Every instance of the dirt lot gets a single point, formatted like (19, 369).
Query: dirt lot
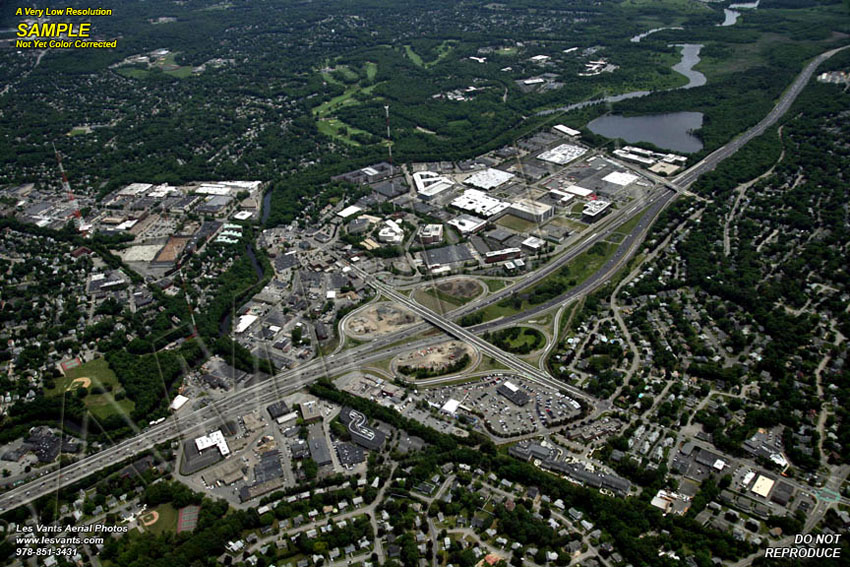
(461, 288)
(435, 357)
(378, 320)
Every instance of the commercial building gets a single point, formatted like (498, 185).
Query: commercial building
(277, 409)
(318, 445)
(534, 244)
(488, 178)
(566, 130)
(310, 412)
(580, 192)
(532, 211)
(559, 198)
(503, 255)
(450, 407)
(446, 255)
(762, 486)
(391, 233)
(563, 154)
(245, 321)
(348, 211)
(430, 234)
(361, 433)
(513, 393)
(479, 203)
(430, 184)
(595, 210)
(178, 402)
(213, 440)
(621, 178)
(350, 454)
(467, 224)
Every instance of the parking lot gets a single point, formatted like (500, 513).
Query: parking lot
(482, 403)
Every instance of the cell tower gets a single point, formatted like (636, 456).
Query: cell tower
(78, 217)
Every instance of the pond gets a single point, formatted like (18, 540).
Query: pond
(672, 131)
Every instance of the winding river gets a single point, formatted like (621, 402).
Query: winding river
(690, 57)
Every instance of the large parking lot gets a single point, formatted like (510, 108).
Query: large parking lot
(483, 403)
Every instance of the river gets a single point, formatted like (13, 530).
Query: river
(690, 57)
(731, 17)
(224, 324)
(637, 38)
(267, 206)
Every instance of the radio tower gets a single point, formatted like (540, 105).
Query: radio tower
(389, 139)
(390, 150)
(78, 217)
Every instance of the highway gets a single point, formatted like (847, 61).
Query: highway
(688, 177)
(257, 395)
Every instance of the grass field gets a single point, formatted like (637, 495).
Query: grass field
(487, 364)
(580, 268)
(516, 224)
(79, 132)
(443, 51)
(371, 70)
(527, 337)
(167, 520)
(100, 405)
(495, 285)
(332, 127)
(436, 304)
(413, 56)
(575, 226)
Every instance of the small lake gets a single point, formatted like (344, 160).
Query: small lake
(671, 131)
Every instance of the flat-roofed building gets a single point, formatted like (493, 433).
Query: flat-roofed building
(595, 210)
(310, 412)
(563, 154)
(479, 203)
(580, 192)
(430, 234)
(318, 445)
(467, 224)
(503, 255)
(361, 433)
(513, 392)
(532, 211)
(488, 178)
(213, 440)
(430, 184)
(566, 130)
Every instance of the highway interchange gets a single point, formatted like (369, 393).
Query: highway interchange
(265, 392)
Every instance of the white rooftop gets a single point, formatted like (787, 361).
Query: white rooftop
(348, 211)
(562, 154)
(488, 178)
(430, 183)
(566, 130)
(621, 178)
(467, 223)
(594, 208)
(245, 321)
(214, 439)
(480, 203)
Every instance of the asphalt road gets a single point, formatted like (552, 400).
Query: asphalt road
(288, 382)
